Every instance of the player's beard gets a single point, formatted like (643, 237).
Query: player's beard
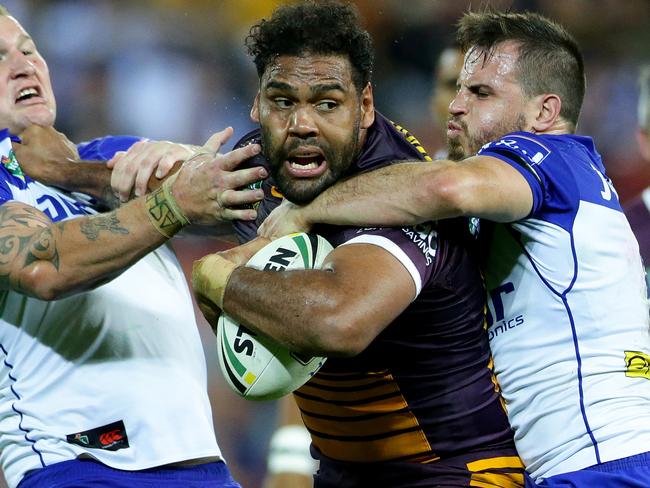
(469, 144)
(304, 190)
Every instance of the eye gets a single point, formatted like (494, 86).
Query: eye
(326, 105)
(480, 92)
(27, 52)
(282, 102)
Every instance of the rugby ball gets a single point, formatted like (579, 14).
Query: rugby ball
(255, 367)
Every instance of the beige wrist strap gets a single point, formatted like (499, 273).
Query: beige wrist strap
(210, 277)
(163, 210)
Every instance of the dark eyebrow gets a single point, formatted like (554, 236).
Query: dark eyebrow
(279, 85)
(475, 87)
(325, 87)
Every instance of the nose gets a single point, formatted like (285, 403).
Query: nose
(302, 123)
(21, 65)
(458, 105)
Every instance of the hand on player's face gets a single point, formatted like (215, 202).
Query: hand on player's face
(210, 189)
(41, 150)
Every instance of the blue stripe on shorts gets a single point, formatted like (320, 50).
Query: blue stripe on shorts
(87, 473)
(629, 472)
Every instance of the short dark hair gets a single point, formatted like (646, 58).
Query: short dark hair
(549, 60)
(326, 28)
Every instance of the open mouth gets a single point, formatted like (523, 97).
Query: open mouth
(306, 162)
(27, 94)
(306, 165)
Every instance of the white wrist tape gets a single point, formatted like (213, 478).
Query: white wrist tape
(289, 451)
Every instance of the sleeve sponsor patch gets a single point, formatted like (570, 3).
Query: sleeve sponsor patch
(530, 150)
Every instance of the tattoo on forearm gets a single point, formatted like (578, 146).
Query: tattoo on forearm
(97, 223)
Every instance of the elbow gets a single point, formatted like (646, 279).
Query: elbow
(443, 194)
(340, 335)
(38, 282)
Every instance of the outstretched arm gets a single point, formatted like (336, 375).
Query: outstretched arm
(52, 260)
(410, 193)
(48, 156)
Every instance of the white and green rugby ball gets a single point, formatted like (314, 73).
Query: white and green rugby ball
(255, 367)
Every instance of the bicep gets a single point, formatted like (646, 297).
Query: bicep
(374, 287)
(23, 240)
(494, 190)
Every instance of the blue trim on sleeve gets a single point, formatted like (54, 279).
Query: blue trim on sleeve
(562, 171)
(104, 148)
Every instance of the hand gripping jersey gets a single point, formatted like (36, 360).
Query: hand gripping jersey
(421, 401)
(116, 373)
(568, 321)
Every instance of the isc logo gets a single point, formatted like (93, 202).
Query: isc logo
(243, 344)
(280, 260)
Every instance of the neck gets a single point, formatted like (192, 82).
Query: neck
(560, 126)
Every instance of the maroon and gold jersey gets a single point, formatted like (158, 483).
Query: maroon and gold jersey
(423, 392)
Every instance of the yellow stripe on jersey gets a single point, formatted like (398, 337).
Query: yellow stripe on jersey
(495, 463)
(485, 474)
(411, 138)
(497, 480)
(361, 417)
(364, 451)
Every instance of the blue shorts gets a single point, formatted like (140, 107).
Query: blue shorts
(86, 473)
(630, 472)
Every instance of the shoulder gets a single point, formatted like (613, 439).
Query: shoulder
(534, 149)
(387, 142)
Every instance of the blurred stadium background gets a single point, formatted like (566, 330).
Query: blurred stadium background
(177, 70)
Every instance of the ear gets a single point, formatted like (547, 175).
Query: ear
(367, 107)
(255, 109)
(546, 113)
(643, 138)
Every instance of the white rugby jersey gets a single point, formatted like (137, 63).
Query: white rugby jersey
(568, 319)
(116, 373)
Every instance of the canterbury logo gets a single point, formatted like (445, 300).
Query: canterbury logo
(637, 364)
(110, 437)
